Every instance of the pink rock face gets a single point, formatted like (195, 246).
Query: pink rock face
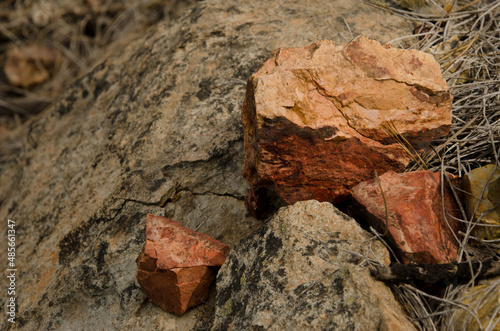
(313, 116)
(177, 265)
(418, 229)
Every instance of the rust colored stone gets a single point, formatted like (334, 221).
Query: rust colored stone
(177, 265)
(418, 229)
(314, 116)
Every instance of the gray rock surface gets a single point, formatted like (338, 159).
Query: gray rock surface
(155, 127)
(298, 273)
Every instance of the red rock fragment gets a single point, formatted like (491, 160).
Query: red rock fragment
(418, 229)
(314, 116)
(177, 265)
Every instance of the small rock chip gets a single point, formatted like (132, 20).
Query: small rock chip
(177, 265)
(418, 229)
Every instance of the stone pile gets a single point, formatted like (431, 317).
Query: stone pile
(321, 120)
(155, 127)
(420, 228)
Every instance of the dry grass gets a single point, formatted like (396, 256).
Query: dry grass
(79, 32)
(466, 44)
(464, 37)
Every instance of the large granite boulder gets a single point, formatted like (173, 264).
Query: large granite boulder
(154, 128)
(303, 271)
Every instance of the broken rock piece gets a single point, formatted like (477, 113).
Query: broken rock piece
(315, 118)
(177, 265)
(302, 271)
(421, 230)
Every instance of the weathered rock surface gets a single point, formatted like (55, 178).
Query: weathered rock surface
(156, 128)
(484, 205)
(418, 228)
(314, 117)
(174, 246)
(177, 265)
(177, 289)
(302, 271)
(484, 300)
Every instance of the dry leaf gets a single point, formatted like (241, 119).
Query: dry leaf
(30, 65)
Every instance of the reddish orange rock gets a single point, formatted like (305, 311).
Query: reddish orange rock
(177, 265)
(418, 229)
(314, 116)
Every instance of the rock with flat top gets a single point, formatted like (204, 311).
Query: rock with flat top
(177, 265)
(421, 230)
(316, 118)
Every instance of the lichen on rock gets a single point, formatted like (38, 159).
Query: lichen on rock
(303, 270)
